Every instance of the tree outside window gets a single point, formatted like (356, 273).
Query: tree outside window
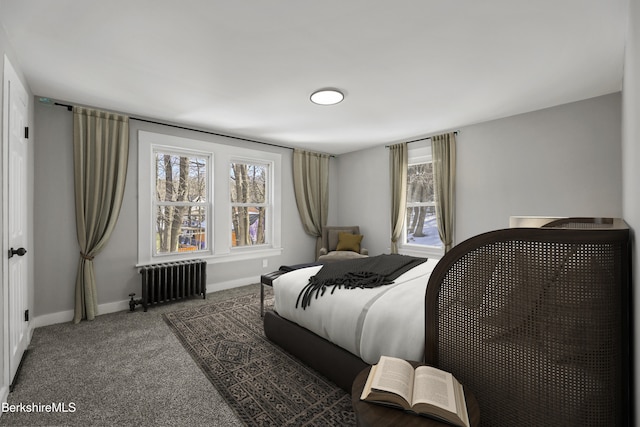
(249, 192)
(421, 228)
(181, 203)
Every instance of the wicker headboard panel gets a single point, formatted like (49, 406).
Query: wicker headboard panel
(536, 323)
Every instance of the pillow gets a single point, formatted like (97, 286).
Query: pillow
(349, 242)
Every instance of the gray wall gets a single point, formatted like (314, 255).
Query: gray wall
(631, 158)
(561, 161)
(56, 246)
(364, 196)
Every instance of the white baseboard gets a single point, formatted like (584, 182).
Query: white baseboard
(230, 284)
(112, 307)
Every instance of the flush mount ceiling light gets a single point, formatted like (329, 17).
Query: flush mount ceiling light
(327, 96)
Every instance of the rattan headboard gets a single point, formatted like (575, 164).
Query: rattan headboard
(536, 322)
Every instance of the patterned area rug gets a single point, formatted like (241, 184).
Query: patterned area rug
(263, 384)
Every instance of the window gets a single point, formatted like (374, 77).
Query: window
(421, 229)
(181, 202)
(203, 199)
(248, 188)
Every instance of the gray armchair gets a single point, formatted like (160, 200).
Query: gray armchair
(339, 243)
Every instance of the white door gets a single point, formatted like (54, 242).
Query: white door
(15, 195)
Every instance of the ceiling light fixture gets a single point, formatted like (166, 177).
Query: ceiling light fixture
(327, 96)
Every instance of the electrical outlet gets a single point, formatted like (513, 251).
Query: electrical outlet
(265, 263)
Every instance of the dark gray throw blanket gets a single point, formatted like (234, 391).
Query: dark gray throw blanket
(368, 272)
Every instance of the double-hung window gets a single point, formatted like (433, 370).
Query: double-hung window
(204, 199)
(249, 185)
(420, 235)
(181, 201)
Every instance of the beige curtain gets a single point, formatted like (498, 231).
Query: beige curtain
(100, 155)
(444, 171)
(398, 160)
(311, 187)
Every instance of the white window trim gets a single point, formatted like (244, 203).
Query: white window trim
(218, 231)
(421, 251)
(416, 155)
(270, 195)
(154, 203)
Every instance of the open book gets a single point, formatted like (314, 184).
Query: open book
(424, 390)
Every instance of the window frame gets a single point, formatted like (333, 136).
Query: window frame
(219, 220)
(207, 205)
(267, 204)
(418, 155)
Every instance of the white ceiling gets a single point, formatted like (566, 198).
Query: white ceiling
(409, 68)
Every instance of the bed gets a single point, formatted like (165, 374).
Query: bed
(536, 321)
(356, 325)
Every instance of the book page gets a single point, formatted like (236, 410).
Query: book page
(434, 387)
(394, 375)
(462, 411)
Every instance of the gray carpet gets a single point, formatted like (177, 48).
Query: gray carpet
(124, 369)
(264, 384)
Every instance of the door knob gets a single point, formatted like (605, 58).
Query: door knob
(19, 252)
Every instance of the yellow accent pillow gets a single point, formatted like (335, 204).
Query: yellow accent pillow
(349, 242)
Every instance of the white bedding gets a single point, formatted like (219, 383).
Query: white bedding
(387, 320)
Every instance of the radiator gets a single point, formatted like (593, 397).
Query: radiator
(170, 282)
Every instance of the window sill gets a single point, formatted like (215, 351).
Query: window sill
(242, 255)
(433, 253)
(239, 255)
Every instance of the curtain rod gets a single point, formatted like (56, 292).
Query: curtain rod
(70, 108)
(455, 132)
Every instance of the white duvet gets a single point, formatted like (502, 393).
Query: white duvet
(387, 320)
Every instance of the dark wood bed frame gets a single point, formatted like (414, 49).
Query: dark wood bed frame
(341, 367)
(335, 363)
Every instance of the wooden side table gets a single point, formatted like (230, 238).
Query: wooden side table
(371, 414)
